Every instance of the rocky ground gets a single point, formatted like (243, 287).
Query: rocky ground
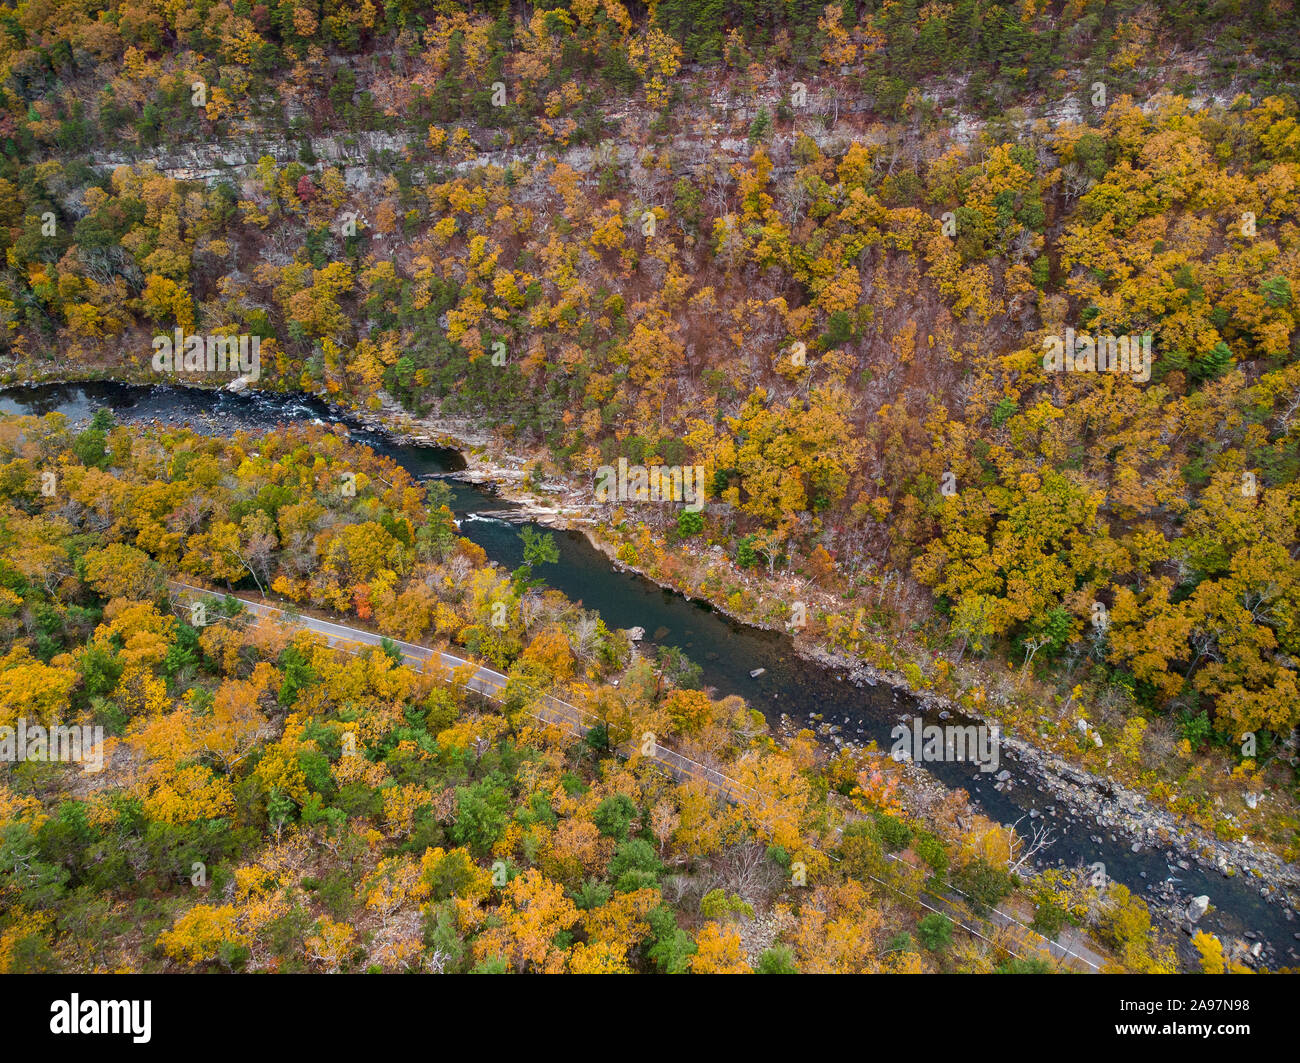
(1115, 808)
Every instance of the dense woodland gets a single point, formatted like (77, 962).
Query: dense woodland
(271, 804)
(815, 248)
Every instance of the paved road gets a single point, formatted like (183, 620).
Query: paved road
(491, 684)
(550, 709)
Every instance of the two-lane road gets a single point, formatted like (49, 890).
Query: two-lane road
(553, 710)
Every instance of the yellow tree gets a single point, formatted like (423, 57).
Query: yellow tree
(719, 951)
(534, 910)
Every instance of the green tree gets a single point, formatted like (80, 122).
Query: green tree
(480, 815)
(614, 815)
(539, 549)
(935, 931)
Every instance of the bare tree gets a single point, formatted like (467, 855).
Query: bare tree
(1286, 416)
(586, 642)
(247, 559)
(1075, 182)
(1032, 646)
(1024, 849)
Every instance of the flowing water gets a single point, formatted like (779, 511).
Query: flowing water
(727, 651)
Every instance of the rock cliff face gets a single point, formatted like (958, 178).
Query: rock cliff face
(844, 116)
(235, 157)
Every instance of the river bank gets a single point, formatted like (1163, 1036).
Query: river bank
(1126, 811)
(1115, 807)
(1093, 821)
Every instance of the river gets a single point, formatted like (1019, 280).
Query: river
(726, 651)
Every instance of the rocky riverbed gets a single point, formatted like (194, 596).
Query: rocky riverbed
(1062, 792)
(1124, 810)
(1067, 791)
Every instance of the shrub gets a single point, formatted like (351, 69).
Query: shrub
(777, 960)
(689, 523)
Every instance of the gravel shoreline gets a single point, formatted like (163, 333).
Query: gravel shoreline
(1113, 807)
